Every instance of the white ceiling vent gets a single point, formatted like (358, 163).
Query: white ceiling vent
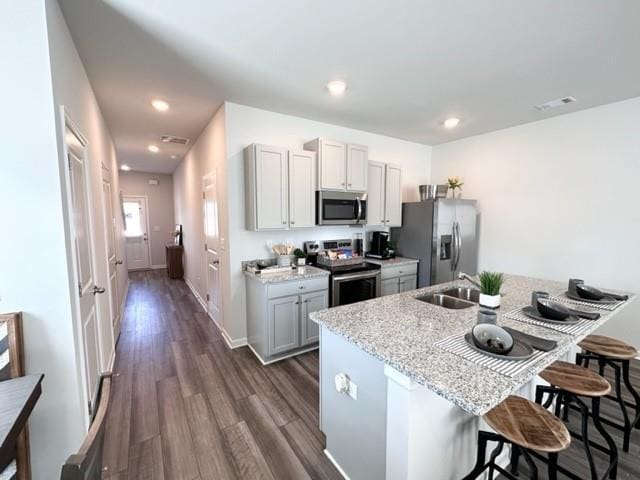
(555, 103)
(174, 139)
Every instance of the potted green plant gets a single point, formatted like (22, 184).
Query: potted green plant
(454, 184)
(490, 285)
(301, 259)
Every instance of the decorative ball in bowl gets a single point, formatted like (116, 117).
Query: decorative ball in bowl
(492, 338)
(552, 310)
(589, 293)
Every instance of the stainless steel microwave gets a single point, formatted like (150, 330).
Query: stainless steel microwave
(341, 208)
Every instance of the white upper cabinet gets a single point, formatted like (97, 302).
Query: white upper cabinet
(384, 194)
(357, 161)
(375, 194)
(393, 196)
(279, 188)
(341, 167)
(302, 189)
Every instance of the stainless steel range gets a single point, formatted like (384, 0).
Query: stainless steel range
(348, 283)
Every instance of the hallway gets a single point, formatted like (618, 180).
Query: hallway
(185, 406)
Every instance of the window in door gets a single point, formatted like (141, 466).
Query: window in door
(132, 219)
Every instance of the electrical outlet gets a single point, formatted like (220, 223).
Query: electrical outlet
(353, 390)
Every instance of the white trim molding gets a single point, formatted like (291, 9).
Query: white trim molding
(201, 301)
(158, 267)
(336, 464)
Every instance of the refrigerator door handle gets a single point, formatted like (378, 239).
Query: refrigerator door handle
(457, 236)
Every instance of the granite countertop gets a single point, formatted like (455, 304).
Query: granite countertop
(392, 262)
(401, 331)
(289, 276)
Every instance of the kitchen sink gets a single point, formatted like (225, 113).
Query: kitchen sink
(464, 293)
(445, 301)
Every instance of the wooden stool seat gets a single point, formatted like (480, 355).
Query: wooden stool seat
(576, 379)
(528, 425)
(608, 347)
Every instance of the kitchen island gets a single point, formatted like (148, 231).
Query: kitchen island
(407, 408)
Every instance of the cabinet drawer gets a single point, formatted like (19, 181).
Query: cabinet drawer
(294, 288)
(391, 272)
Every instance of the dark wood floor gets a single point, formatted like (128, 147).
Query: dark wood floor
(574, 458)
(185, 406)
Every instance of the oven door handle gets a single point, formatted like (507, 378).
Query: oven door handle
(355, 276)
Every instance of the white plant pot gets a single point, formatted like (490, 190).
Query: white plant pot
(491, 301)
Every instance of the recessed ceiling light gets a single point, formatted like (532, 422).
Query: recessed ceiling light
(555, 103)
(173, 157)
(336, 87)
(125, 167)
(160, 105)
(153, 148)
(451, 122)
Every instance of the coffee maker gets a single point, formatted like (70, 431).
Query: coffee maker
(379, 246)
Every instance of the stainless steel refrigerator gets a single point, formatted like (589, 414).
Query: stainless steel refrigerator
(442, 234)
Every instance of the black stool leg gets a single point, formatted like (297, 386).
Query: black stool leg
(552, 466)
(613, 449)
(627, 424)
(492, 461)
(585, 439)
(634, 393)
(480, 458)
(515, 459)
(601, 364)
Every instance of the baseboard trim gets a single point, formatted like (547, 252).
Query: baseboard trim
(293, 354)
(336, 464)
(200, 300)
(158, 267)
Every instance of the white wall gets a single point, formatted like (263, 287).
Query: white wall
(246, 125)
(558, 199)
(206, 155)
(34, 276)
(161, 204)
(36, 47)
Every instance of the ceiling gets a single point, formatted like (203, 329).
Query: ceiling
(408, 65)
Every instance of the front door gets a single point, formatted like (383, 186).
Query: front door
(136, 234)
(212, 246)
(85, 274)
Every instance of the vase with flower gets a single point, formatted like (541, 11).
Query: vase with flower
(455, 186)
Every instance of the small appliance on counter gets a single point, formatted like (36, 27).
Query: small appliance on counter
(379, 246)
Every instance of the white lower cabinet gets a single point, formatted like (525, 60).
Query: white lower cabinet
(399, 279)
(284, 324)
(278, 316)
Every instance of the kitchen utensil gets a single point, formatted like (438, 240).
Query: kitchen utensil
(552, 310)
(538, 343)
(532, 312)
(492, 338)
(520, 351)
(487, 316)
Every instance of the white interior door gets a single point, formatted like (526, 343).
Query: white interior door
(212, 246)
(85, 274)
(110, 237)
(136, 233)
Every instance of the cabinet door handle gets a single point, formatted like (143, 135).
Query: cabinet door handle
(301, 287)
(297, 303)
(292, 222)
(306, 301)
(349, 184)
(342, 183)
(284, 223)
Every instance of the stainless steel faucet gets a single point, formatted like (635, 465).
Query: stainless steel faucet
(464, 276)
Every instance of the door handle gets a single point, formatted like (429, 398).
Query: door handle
(118, 262)
(144, 237)
(215, 262)
(97, 289)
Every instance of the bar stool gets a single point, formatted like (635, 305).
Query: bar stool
(529, 428)
(610, 352)
(569, 382)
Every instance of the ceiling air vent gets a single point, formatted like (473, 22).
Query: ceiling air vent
(173, 139)
(555, 103)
